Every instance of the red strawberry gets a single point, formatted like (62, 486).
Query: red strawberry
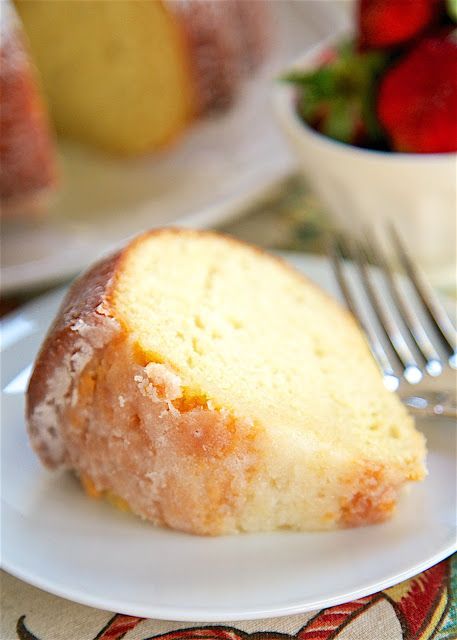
(386, 23)
(417, 100)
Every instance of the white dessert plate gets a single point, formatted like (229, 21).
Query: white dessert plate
(223, 165)
(56, 538)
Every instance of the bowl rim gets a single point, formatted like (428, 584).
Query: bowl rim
(283, 95)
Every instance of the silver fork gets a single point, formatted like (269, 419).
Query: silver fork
(410, 333)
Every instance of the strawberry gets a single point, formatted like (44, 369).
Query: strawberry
(337, 97)
(387, 23)
(417, 99)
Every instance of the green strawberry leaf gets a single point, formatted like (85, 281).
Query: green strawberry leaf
(339, 123)
(452, 9)
(338, 97)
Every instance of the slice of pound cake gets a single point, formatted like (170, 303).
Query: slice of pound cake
(129, 76)
(207, 386)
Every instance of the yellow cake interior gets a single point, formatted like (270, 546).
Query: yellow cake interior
(115, 73)
(251, 336)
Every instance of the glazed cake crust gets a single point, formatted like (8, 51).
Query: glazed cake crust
(27, 152)
(225, 41)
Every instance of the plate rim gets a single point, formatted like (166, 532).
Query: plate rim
(199, 615)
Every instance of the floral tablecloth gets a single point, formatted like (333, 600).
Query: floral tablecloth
(421, 608)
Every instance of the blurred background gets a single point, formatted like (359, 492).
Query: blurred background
(273, 121)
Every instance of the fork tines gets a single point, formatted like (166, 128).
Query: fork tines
(410, 333)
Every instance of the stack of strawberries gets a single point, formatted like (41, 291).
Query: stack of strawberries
(394, 86)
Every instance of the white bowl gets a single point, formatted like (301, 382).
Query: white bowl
(416, 191)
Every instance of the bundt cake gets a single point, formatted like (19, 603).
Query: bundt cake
(128, 76)
(207, 386)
